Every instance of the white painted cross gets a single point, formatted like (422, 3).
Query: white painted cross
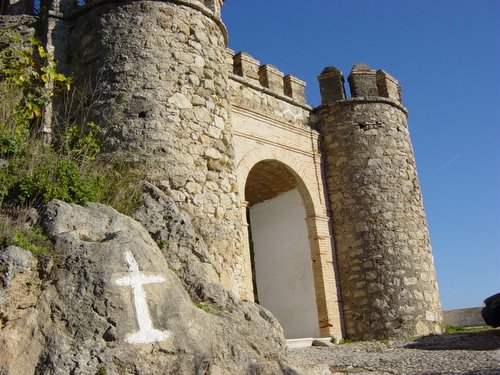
(136, 279)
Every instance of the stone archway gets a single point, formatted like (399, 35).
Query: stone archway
(305, 174)
(284, 144)
(280, 250)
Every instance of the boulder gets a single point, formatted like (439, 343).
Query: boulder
(110, 304)
(13, 260)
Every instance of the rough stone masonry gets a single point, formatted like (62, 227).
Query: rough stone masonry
(196, 120)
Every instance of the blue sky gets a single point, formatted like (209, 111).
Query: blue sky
(446, 56)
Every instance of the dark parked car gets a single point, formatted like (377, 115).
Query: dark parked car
(491, 310)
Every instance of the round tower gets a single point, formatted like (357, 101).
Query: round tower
(386, 270)
(155, 77)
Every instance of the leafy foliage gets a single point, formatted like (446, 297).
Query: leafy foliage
(35, 169)
(32, 239)
(29, 71)
(35, 172)
(19, 230)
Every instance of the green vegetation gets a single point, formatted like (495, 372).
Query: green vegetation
(162, 244)
(32, 239)
(458, 329)
(35, 166)
(209, 307)
(345, 341)
(32, 171)
(339, 341)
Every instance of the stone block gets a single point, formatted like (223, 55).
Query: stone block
(272, 78)
(362, 81)
(295, 88)
(470, 317)
(299, 343)
(331, 85)
(246, 66)
(388, 86)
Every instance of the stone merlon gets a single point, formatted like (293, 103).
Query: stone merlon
(295, 88)
(267, 76)
(331, 85)
(271, 78)
(363, 82)
(246, 66)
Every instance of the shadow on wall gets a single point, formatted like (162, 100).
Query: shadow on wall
(485, 340)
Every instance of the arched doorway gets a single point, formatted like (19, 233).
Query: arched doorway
(280, 249)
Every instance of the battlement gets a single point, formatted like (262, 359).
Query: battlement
(268, 76)
(69, 7)
(219, 132)
(364, 82)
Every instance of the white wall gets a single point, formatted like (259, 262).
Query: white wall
(283, 263)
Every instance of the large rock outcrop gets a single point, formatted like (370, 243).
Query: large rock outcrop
(107, 302)
(184, 248)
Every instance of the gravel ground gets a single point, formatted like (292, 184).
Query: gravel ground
(458, 353)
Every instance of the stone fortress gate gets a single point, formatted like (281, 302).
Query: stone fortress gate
(315, 213)
(331, 201)
(279, 168)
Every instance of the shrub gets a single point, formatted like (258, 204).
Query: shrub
(32, 239)
(28, 80)
(33, 172)
(35, 169)
(41, 173)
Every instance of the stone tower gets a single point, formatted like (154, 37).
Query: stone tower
(386, 269)
(220, 133)
(155, 77)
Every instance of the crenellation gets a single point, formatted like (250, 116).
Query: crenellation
(365, 83)
(388, 86)
(295, 88)
(362, 81)
(246, 66)
(272, 78)
(267, 78)
(331, 85)
(230, 59)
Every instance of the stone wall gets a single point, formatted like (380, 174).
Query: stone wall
(159, 86)
(470, 317)
(385, 263)
(265, 90)
(196, 120)
(22, 24)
